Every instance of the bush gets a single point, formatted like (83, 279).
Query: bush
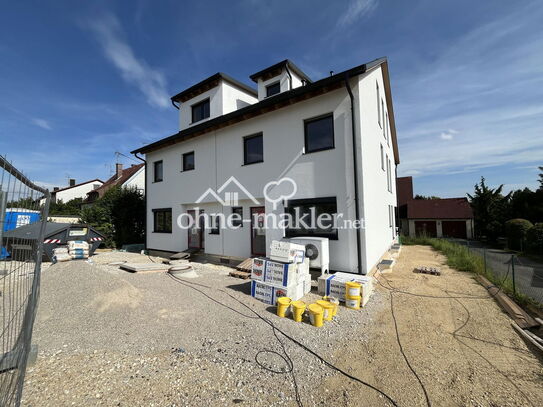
(516, 230)
(534, 238)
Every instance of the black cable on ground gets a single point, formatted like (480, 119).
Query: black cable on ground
(296, 342)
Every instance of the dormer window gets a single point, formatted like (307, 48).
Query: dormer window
(273, 89)
(200, 111)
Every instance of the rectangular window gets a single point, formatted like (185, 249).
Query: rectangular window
(390, 215)
(237, 216)
(388, 173)
(382, 158)
(253, 149)
(319, 134)
(162, 222)
(158, 171)
(383, 115)
(215, 225)
(188, 161)
(378, 104)
(387, 129)
(273, 89)
(315, 217)
(200, 111)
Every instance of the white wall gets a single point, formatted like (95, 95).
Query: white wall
(79, 191)
(137, 180)
(284, 82)
(233, 98)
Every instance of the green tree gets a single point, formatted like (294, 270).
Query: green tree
(426, 197)
(490, 209)
(541, 178)
(517, 230)
(72, 207)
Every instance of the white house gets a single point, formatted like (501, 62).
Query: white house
(74, 190)
(131, 177)
(329, 145)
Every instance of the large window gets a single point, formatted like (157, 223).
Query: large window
(162, 220)
(307, 213)
(188, 161)
(157, 171)
(273, 89)
(319, 134)
(200, 111)
(253, 149)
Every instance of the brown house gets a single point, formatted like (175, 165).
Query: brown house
(449, 217)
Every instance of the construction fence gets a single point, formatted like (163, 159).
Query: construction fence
(21, 202)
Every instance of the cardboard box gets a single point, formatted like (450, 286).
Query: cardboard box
(278, 273)
(287, 252)
(334, 285)
(269, 293)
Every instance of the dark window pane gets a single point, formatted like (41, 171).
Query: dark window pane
(253, 149)
(215, 225)
(273, 89)
(319, 134)
(162, 220)
(188, 161)
(320, 206)
(200, 111)
(237, 218)
(158, 171)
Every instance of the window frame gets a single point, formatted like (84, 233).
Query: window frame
(156, 212)
(382, 157)
(250, 137)
(387, 129)
(237, 223)
(197, 104)
(215, 225)
(378, 104)
(293, 203)
(155, 163)
(193, 161)
(276, 83)
(314, 119)
(383, 113)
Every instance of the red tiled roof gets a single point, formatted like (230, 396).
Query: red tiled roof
(449, 208)
(114, 180)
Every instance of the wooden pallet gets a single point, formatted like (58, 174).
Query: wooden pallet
(427, 270)
(246, 265)
(240, 274)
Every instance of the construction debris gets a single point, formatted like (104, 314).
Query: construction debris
(246, 265)
(427, 270)
(244, 275)
(145, 267)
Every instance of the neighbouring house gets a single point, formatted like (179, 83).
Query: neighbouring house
(131, 177)
(73, 190)
(335, 138)
(448, 217)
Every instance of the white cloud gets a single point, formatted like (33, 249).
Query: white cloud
(44, 124)
(356, 10)
(448, 135)
(150, 82)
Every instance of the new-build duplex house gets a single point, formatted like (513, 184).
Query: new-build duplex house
(290, 146)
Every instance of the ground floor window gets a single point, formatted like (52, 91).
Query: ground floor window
(308, 219)
(162, 220)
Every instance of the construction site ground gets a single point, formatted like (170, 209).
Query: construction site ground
(109, 337)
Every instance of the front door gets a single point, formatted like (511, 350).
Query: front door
(196, 234)
(258, 231)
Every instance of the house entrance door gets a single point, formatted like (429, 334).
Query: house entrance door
(258, 231)
(196, 234)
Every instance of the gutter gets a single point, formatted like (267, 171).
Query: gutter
(355, 173)
(146, 193)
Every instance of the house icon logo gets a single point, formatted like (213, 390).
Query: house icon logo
(228, 198)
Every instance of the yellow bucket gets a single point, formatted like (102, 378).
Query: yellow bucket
(328, 308)
(297, 308)
(352, 289)
(315, 314)
(334, 301)
(353, 302)
(282, 306)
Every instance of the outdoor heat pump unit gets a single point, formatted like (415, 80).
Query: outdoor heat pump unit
(316, 250)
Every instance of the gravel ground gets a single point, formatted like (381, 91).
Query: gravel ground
(108, 337)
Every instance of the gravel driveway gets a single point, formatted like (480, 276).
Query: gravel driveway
(108, 337)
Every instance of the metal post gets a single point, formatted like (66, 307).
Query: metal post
(513, 271)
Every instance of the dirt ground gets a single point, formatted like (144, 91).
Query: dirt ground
(107, 337)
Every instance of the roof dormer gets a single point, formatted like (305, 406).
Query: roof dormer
(278, 78)
(215, 96)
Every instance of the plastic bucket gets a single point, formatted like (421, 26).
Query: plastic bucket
(352, 289)
(328, 308)
(334, 301)
(316, 313)
(297, 309)
(353, 302)
(282, 306)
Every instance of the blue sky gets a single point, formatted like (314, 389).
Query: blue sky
(82, 80)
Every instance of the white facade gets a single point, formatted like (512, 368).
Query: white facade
(137, 180)
(77, 191)
(219, 155)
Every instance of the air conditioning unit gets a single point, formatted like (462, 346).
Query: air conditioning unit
(316, 250)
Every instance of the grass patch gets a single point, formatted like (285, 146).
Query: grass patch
(461, 258)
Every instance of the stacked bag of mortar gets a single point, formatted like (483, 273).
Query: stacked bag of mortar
(61, 254)
(284, 274)
(78, 249)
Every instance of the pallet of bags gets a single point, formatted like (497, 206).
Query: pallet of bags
(78, 249)
(61, 254)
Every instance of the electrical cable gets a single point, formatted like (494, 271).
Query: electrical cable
(296, 342)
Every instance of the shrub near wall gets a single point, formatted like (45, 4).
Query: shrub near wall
(534, 239)
(516, 230)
